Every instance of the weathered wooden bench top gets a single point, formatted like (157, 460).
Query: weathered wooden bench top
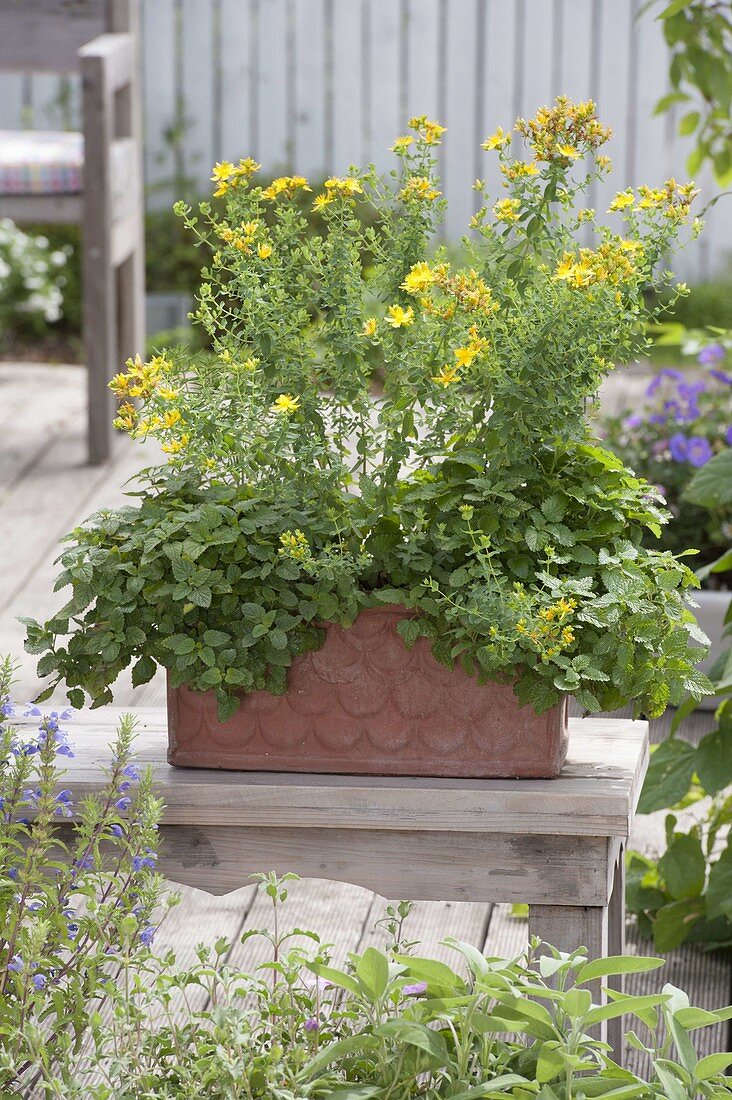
(595, 795)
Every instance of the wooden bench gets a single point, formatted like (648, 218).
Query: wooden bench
(556, 844)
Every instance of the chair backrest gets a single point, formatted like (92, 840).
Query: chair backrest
(45, 35)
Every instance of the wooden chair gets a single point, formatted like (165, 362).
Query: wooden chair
(94, 178)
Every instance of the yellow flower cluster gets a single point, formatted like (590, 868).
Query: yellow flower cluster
(369, 327)
(141, 379)
(344, 187)
(429, 132)
(507, 210)
(285, 187)
(419, 189)
(613, 262)
(227, 175)
(519, 169)
(673, 199)
(469, 290)
(420, 277)
(244, 238)
(564, 131)
(553, 633)
(464, 357)
(294, 544)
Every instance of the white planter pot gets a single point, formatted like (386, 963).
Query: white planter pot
(710, 614)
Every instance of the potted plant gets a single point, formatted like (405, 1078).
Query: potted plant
(385, 540)
(684, 421)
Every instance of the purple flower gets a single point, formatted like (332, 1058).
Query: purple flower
(72, 931)
(147, 935)
(131, 771)
(16, 964)
(124, 786)
(699, 450)
(657, 418)
(728, 435)
(414, 989)
(123, 804)
(39, 981)
(679, 446)
(712, 353)
(64, 803)
(148, 860)
(311, 1024)
(633, 421)
(116, 830)
(7, 710)
(32, 711)
(668, 372)
(34, 905)
(722, 376)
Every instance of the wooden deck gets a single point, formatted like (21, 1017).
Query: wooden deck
(45, 490)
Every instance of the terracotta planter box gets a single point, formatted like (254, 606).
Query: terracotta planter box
(364, 704)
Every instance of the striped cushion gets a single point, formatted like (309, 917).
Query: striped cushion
(41, 162)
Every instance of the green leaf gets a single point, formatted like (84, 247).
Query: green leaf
(441, 980)
(683, 866)
(674, 922)
(143, 671)
(689, 123)
(278, 639)
(712, 1065)
(372, 971)
(180, 643)
(416, 1035)
(711, 486)
(336, 977)
(714, 759)
(632, 1006)
(669, 775)
(216, 638)
(550, 1063)
(617, 964)
(719, 889)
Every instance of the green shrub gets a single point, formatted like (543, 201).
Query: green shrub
(76, 910)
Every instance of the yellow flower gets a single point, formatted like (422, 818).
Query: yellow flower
(126, 418)
(447, 376)
(465, 356)
(622, 201)
(249, 229)
(171, 417)
(419, 278)
(322, 201)
(294, 544)
(506, 210)
(250, 364)
(570, 151)
(603, 161)
(400, 317)
(402, 144)
(120, 385)
(167, 393)
(369, 327)
(223, 170)
(497, 140)
(176, 445)
(264, 250)
(286, 404)
(247, 167)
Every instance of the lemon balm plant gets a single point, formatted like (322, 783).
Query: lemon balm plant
(380, 426)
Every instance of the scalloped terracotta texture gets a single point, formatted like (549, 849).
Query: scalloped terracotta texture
(364, 704)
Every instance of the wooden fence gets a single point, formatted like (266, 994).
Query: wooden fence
(315, 85)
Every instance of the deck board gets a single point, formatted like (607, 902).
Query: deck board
(44, 490)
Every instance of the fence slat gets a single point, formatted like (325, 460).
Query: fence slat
(272, 84)
(162, 148)
(235, 79)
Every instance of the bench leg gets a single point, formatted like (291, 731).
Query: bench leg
(568, 927)
(616, 946)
